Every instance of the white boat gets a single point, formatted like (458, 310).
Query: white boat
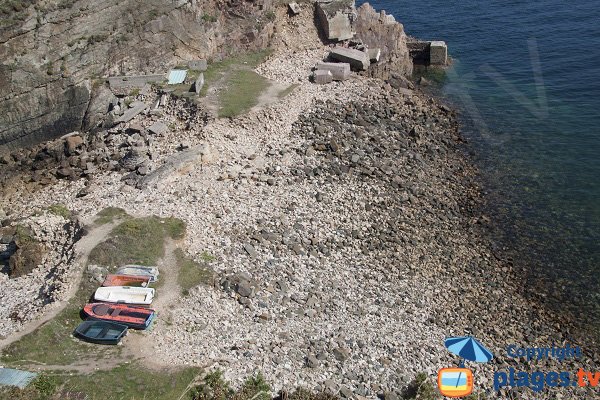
(138, 270)
(125, 294)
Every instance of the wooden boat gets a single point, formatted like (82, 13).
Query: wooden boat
(125, 294)
(126, 280)
(101, 332)
(130, 316)
(138, 270)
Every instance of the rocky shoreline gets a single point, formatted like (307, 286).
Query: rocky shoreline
(346, 229)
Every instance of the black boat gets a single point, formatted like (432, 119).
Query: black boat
(101, 332)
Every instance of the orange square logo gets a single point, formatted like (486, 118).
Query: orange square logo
(455, 382)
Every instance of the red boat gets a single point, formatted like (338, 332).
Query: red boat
(131, 316)
(127, 280)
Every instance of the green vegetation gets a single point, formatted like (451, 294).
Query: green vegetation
(242, 92)
(109, 214)
(214, 387)
(60, 210)
(241, 85)
(23, 235)
(209, 18)
(191, 273)
(124, 382)
(134, 92)
(270, 15)
(287, 91)
(137, 241)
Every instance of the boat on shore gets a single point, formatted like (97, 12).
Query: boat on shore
(139, 270)
(130, 316)
(126, 280)
(125, 294)
(101, 332)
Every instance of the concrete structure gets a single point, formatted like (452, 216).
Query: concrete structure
(294, 8)
(136, 108)
(199, 83)
(133, 81)
(357, 59)
(198, 65)
(374, 55)
(438, 53)
(339, 71)
(336, 18)
(322, 77)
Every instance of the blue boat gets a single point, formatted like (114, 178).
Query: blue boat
(101, 332)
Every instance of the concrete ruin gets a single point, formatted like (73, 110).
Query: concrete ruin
(294, 8)
(322, 77)
(336, 18)
(428, 53)
(199, 83)
(198, 65)
(374, 54)
(133, 81)
(357, 59)
(136, 108)
(339, 71)
(438, 53)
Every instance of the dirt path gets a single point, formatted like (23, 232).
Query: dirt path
(82, 248)
(139, 345)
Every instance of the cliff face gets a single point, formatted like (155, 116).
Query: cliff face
(54, 54)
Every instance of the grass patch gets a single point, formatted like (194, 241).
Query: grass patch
(60, 210)
(214, 387)
(287, 91)
(130, 381)
(125, 382)
(241, 93)
(191, 273)
(109, 214)
(137, 241)
(242, 86)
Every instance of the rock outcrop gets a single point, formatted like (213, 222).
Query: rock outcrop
(54, 56)
(379, 30)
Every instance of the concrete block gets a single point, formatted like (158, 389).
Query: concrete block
(339, 71)
(357, 59)
(438, 53)
(199, 83)
(322, 77)
(336, 18)
(198, 65)
(374, 55)
(158, 128)
(294, 8)
(136, 108)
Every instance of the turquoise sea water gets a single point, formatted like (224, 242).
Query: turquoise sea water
(526, 77)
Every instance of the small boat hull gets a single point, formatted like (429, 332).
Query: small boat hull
(139, 270)
(126, 280)
(125, 295)
(101, 332)
(130, 316)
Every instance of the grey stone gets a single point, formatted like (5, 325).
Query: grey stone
(339, 71)
(250, 250)
(322, 77)
(294, 8)
(341, 353)
(136, 108)
(158, 128)
(244, 289)
(335, 18)
(358, 60)
(438, 53)
(374, 54)
(346, 392)
(198, 65)
(312, 361)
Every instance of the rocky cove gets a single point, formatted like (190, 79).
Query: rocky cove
(344, 221)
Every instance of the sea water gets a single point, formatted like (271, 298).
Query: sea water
(526, 78)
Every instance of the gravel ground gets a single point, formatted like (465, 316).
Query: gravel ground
(344, 224)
